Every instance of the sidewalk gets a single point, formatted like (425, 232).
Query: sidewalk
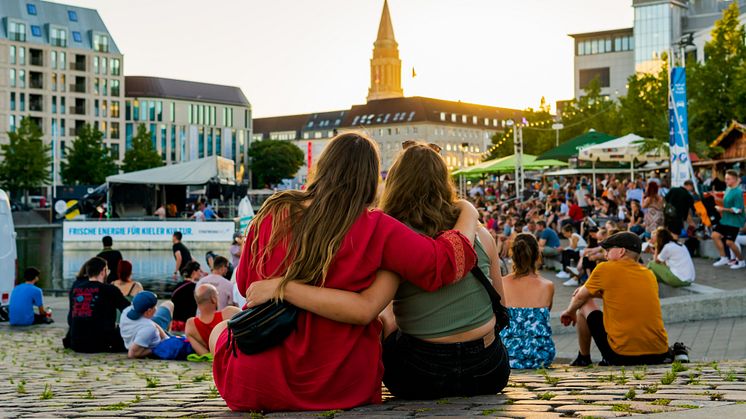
(40, 379)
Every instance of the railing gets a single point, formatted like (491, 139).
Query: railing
(79, 66)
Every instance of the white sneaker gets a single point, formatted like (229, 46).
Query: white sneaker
(739, 265)
(563, 275)
(573, 270)
(721, 262)
(571, 283)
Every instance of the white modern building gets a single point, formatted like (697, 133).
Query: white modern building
(659, 27)
(189, 120)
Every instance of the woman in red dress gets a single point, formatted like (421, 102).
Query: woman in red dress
(328, 236)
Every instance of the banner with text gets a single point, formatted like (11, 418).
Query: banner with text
(160, 231)
(681, 167)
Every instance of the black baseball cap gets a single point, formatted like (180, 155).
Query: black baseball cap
(625, 240)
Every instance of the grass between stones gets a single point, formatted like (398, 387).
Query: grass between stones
(668, 378)
(630, 395)
(47, 393)
(661, 402)
(546, 396)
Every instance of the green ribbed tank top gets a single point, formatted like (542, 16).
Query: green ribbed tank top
(452, 309)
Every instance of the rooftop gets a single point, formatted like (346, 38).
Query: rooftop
(159, 87)
(41, 16)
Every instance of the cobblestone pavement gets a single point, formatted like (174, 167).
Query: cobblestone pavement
(40, 379)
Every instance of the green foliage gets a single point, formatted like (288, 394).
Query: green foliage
(89, 161)
(591, 111)
(677, 367)
(274, 160)
(47, 393)
(630, 394)
(717, 87)
(152, 382)
(668, 378)
(26, 161)
(661, 402)
(537, 135)
(644, 110)
(142, 155)
(545, 396)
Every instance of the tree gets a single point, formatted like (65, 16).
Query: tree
(273, 160)
(89, 161)
(538, 135)
(142, 155)
(717, 87)
(591, 110)
(644, 110)
(26, 160)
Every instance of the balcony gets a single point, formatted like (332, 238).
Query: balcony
(77, 88)
(77, 110)
(73, 132)
(36, 57)
(36, 80)
(36, 103)
(77, 65)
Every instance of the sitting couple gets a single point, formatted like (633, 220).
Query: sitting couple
(629, 330)
(343, 263)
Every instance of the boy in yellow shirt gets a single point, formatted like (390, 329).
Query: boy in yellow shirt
(629, 330)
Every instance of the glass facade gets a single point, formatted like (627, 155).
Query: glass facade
(656, 28)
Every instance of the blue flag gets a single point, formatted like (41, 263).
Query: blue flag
(681, 167)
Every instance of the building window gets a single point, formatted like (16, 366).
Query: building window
(21, 55)
(128, 136)
(172, 112)
(62, 111)
(95, 65)
(152, 110)
(96, 83)
(587, 75)
(453, 117)
(53, 59)
(246, 119)
(116, 67)
(159, 110)
(114, 109)
(72, 15)
(13, 101)
(163, 142)
(62, 62)
(127, 110)
(218, 143)
(173, 143)
(77, 37)
(114, 130)
(201, 142)
(12, 123)
(36, 30)
(95, 108)
(22, 78)
(31, 9)
(104, 65)
(59, 37)
(100, 43)
(12, 53)
(17, 31)
(115, 87)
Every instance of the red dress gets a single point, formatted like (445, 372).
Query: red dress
(324, 364)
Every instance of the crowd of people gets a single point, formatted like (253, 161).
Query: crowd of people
(409, 286)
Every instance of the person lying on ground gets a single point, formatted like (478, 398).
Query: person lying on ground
(143, 326)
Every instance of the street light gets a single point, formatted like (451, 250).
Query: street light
(557, 127)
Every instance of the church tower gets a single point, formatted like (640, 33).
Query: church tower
(385, 66)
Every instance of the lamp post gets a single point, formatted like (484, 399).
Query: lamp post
(557, 127)
(462, 181)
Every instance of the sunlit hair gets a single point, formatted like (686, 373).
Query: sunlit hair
(313, 222)
(652, 190)
(419, 191)
(525, 254)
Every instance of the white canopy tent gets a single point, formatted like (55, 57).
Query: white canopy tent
(196, 172)
(624, 149)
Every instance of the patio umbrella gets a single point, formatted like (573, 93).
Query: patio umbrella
(570, 147)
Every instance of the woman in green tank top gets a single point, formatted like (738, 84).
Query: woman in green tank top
(435, 344)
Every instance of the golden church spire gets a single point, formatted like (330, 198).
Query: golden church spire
(385, 66)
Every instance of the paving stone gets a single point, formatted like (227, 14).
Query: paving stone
(572, 408)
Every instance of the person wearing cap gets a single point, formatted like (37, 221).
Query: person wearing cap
(629, 330)
(143, 326)
(23, 299)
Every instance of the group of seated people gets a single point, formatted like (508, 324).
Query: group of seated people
(122, 317)
(400, 295)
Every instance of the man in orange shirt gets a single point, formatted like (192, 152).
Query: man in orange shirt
(629, 331)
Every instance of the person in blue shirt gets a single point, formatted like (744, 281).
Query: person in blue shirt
(210, 213)
(549, 242)
(23, 299)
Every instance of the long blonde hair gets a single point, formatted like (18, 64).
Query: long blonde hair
(419, 192)
(313, 222)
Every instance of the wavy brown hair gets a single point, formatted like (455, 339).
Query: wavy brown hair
(419, 192)
(313, 222)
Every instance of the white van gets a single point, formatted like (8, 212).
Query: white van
(8, 255)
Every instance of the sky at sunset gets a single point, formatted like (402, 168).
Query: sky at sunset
(298, 56)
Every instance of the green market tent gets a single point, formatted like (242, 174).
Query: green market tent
(507, 164)
(571, 147)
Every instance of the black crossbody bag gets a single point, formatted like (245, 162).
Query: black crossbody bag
(501, 313)
(259, 328)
